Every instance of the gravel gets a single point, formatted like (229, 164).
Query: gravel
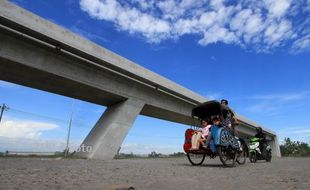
(161, 173)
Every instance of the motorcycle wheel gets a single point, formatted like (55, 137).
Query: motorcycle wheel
(252, 157)
(196, 159)
(268, 157)
(241, 156)
(227, 156)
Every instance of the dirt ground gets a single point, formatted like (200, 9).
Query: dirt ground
(163, 173)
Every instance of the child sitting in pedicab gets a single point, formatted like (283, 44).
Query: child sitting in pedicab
(200, 137)
(216, 125)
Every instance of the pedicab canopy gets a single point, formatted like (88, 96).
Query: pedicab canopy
(214, 108)
(207, 109)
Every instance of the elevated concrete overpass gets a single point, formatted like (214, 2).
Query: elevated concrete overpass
(37, 53)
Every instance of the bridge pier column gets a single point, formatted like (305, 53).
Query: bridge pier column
(107, 135)
(275, 147)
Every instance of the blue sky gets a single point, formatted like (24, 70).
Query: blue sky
(256, 54)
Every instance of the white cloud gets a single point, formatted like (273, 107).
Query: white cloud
(216, 34)
(88, 34)
(264, 107)
(24, 129)
(253, 24)
(240, 18)
(277, 8)
(275, 33)
(260, 25)
(186, 26)
(302, 131)
(283, 97)
(213, 58)
(145, 4)
(26, 135)
(35, 145)
(128, 19)
(213, 95)
(272, 104)
(169, 9)
(216, 4)
(302, 44)
(295, 133)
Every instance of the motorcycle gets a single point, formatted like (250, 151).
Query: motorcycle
(255, 153)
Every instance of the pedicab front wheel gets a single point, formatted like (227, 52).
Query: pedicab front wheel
(196, 159)
(227, 156)
(241, 156)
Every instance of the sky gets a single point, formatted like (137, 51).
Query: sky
(256, 54)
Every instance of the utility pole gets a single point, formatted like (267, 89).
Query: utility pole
(68, 137)
(69, 131)
(3, 108)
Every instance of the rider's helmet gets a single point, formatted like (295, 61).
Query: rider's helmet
(225, 102)
(259, 130)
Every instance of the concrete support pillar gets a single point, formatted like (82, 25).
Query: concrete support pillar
(275, 147)
(107, 136)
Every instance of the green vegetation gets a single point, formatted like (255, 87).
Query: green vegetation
(294, 148)
(177, 155)
(151, 155)
(56, 155)
(126, 156)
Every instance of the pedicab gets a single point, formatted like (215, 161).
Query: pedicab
(224, 144)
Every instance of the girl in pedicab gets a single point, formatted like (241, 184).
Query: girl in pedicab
(200, 136)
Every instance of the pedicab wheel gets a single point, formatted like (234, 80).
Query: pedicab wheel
(241, 156)
(196, 159)
(227, 156)
(252, 157)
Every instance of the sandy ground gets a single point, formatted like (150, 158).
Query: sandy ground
(35, 173)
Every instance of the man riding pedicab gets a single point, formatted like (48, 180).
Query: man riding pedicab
(229, 117)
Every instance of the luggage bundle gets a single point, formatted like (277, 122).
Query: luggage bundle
(188, 140)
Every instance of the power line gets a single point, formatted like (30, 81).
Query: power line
(77, 123)
(81, 124)
(39, 115)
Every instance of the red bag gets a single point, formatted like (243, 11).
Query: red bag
(188, 139)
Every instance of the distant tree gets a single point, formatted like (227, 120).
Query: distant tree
(154, 155)
(177, 154)
(124, 155)
(294, 148)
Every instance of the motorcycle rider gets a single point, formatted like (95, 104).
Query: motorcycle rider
(262, 137)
